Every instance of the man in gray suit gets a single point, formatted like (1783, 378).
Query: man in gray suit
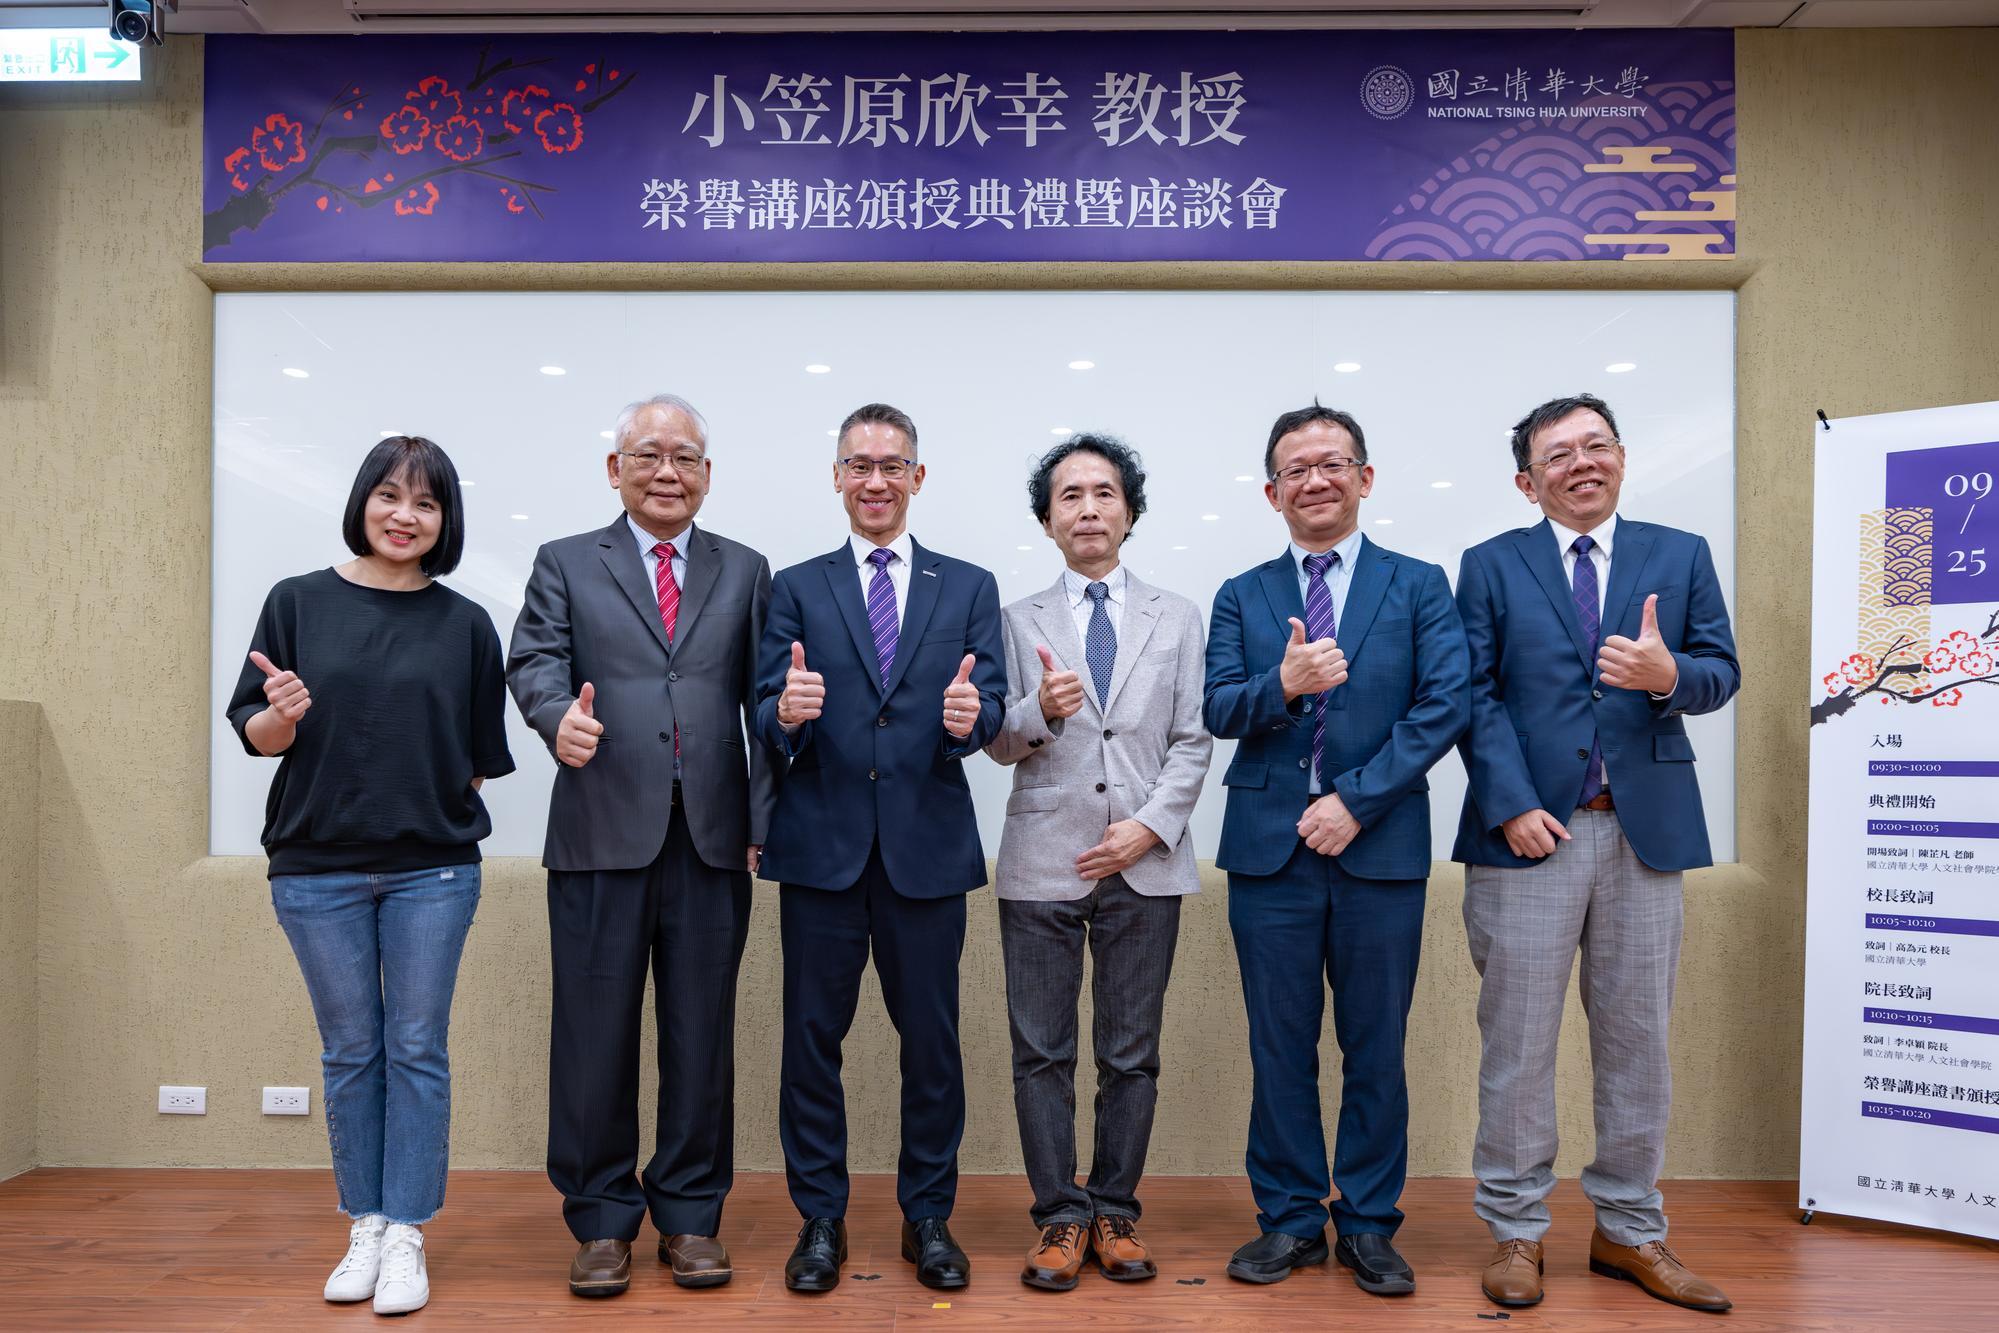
(1103, 728)
(635, 659)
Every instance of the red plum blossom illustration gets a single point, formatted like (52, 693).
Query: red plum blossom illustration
(279, 143)
(1909, 674)
(560, 128)
(405, 129)
(461, 139)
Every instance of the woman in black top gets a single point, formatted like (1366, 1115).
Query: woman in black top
(384, 692)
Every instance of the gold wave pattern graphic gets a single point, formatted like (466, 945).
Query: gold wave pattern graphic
(1894, 588)
(1696, 244)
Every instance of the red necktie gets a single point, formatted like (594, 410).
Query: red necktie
(669, 612)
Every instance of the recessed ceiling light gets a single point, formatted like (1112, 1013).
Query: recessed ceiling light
(1082, 365)
(553, 370)
(1245, 477)
(1179, 548)
(603, 435)
(1619, 367)
(390, 434)
(463, 482)
(1061, 430)
(816, 368)
(519, 517)
(1211, 518)
(1440, 485)
(834, 433)
(298, 374)
(1383, 522)
(1346, 367)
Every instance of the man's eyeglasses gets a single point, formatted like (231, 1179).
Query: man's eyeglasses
(1330, 469)
(891, 469)
(645, 462)
(1598, 451)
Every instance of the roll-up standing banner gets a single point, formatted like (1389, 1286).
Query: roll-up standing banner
(1901, 1061)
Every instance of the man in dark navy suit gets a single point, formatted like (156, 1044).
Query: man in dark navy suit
(882, 667)
(1339, 667)
(1592, 637)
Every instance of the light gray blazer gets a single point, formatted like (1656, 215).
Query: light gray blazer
(1143, 757)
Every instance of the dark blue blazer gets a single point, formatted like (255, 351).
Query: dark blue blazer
(1536, 700)
(1403, 706)
(878, 763)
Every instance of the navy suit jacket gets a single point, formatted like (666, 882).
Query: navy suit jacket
(1403, 706)
(1537, 702)
(878, 763)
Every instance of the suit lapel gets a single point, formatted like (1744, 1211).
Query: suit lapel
(1057, 624)
(1627, 566)
(1536, 546)
(1141, 617)
(1280, 588)
(924, 578)
(844, 583)
(701, 576)
(621, 556)
(1367, 585)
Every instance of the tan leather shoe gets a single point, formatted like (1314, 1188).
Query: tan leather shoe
(1513, 1274)
(1120, 1253)
(1657, 1271)
(601, 1268)
(1057, 1261)
(698, 1261)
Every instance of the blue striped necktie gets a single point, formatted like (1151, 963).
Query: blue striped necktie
(1100, 646)
(881, 611)
(1591, 617)
(1319, 625)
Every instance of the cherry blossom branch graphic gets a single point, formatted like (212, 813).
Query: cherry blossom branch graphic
(1975, 659)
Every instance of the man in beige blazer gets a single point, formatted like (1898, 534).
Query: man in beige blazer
(1103, 728)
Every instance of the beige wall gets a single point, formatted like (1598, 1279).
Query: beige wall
(20, 753)
(1868, 283)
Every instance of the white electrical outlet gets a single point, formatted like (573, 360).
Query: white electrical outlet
(287, 1101)
(183, 1101)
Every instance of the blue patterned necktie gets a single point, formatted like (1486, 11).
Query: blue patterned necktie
(1591, 618)
(1319, 625)
(1100, 646)
(881, 610)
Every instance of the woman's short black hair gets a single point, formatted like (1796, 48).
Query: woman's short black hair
(1130, 472)
(426, 467)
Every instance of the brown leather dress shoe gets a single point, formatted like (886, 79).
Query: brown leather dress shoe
(698, 1261)
(1056, 1263)
(1656, 1270)
(1513, 1274)
(601, 1268)
(1120, 1253)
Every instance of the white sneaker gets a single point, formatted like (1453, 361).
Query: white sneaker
(354, 1278)
(404, 1284)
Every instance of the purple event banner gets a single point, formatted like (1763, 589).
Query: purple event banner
(1375, 145)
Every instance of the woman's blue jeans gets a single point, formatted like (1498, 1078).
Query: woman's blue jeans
(380, 957)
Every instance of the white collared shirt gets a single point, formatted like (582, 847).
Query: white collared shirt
(1077, 588)
(647, 541)
(898, 568)
(1605, 538)
(1338, 579)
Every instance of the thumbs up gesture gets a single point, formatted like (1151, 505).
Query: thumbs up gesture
(577, 736)
(1061, 692)
(804, 695)
(1310, 668)
(961, 700)
(1641, 664)
(283, 690)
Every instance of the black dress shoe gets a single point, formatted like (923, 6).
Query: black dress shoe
(1272, 1256)
(1376, 1266)
(939, 1262)
(815, 1261)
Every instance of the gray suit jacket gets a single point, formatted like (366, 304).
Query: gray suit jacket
(591, 614)
(1143, 757)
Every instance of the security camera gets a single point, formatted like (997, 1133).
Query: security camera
(138, 21)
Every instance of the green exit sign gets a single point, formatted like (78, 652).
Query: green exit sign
(66, 55)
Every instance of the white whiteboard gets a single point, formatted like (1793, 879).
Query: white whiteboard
(1191, 379)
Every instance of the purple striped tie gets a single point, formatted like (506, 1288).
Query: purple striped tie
(1591, 617)
(1319, 625)
(881, 610)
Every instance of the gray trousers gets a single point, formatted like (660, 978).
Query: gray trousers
(1525, 926)
(1131, 937)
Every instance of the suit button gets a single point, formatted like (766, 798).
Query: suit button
(1032, 744)
(871, 775)
(673, 675)
(882, 721)
(666, 735)
(1596, 694)
(1108, 733)
(1308, 705)
(1304, 763)
(1582, 754)
(1100, 786)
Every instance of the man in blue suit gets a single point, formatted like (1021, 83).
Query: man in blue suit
(882, 667)
(1340, 669)
(1592, 637)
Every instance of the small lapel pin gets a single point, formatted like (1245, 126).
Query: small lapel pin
(929, 573)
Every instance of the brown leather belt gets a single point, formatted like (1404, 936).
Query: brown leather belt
(1600, 801)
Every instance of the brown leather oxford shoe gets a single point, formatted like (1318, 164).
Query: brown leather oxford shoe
(1657, 1271)
(1120, 1253)
(601, 1268)
(698, 1261)
(1057, 1262)
(1513, 1274)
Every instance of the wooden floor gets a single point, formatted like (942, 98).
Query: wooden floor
(162, 1250)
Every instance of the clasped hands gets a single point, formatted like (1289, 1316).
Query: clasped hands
(804, 696)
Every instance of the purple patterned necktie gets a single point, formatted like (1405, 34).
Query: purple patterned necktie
(1591, 617)
(1319, 625)
(881, 610)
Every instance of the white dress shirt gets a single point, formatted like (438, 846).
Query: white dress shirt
(1081, 607)
(647, 541)
(898, 569)
(1338, 579)
(1605, 537)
